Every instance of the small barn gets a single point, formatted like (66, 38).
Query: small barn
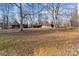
(15, 24)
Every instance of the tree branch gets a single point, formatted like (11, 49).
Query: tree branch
(17, 5)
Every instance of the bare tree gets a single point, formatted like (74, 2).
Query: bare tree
(74, 18)
(2, 18)
(56, 10)
(5, 14)
(20, 6)
(24, 14)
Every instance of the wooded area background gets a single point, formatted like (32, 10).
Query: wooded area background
(28, 15)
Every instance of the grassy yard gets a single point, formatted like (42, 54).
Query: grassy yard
(39, 42)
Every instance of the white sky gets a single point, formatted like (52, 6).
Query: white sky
(39, 1)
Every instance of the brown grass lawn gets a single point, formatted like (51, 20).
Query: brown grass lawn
(39, 42)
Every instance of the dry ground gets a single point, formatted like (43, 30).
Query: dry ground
(39, 42)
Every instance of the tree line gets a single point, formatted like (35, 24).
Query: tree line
(59, 13)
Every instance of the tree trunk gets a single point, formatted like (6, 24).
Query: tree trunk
(54, 22)
(21, 20)
(7, 21)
